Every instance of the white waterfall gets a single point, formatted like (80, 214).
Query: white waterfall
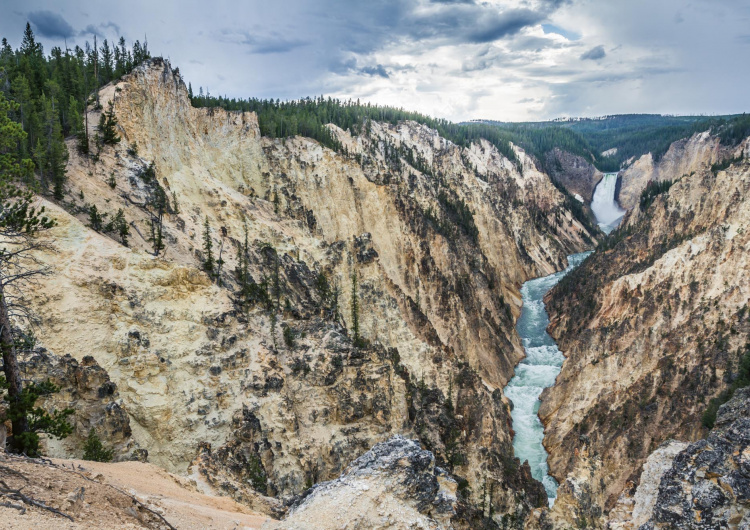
(608, 213)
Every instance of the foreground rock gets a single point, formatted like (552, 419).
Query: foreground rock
(706, 484)
(394, 485)
(126, 495)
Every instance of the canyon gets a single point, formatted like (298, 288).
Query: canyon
(260, 401)
(361, 357)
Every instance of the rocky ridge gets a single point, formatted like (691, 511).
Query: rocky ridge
(705, 484)
(394, 485)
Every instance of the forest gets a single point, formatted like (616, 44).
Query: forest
(633, 135)
(48, 95)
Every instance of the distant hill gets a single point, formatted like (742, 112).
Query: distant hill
(632, 135)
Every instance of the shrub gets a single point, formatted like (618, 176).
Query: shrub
(94, 450)
(54, 424)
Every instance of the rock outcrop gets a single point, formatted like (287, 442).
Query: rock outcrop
(86, 388)
(260, 360)
(703, 485)
(654, 325)
(574, 173)
(684, 157)
(394, 485)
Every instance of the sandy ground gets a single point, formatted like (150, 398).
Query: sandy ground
(114, 496)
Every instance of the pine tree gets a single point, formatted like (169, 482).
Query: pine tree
(208, 245)
(77, 125)
(107, 68)
(119, 225)
(20, 220)
(50, 153)
(108, 126)
(94, 450)
(96, 219)
(355, 311)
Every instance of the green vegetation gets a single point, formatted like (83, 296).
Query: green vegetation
(358, 342)
(309, 117)
(94, 450)
(290, 337)
(742, 380)
(119, 225)
(632, 134)
(37, 419)
(257, 474)
(208, 253)
(652, 190)
(96, 219)
(50, 95)
(735, 130)
(724, 164)
(108, 126)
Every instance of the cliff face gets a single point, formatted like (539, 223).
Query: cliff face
(575, 173)
(684, 157)
(653, 325)
(700, 485)
(393, 485)
(275, 393)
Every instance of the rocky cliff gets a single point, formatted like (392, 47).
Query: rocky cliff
(575, 173)
(654, 325)
(393, 485)
(705, 484)
(684, 157)
(378, 298)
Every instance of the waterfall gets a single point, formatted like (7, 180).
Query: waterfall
(608, 213)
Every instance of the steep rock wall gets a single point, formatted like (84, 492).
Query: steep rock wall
(684, 157)
(279, 385)
(653, 325)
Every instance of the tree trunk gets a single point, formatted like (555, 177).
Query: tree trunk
(10, 365)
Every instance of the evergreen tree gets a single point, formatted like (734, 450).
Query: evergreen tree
(50, 153)
(19, 221)
(208, 245)
(94, 450)
(107, 62)
(77, 125)
(108, 126)
(355, 311)
(119, 225)
(96, 219)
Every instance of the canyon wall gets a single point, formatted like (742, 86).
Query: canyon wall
(654, 325)
(262, 392)
(684, 157)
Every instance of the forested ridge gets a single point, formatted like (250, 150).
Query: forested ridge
(309, 117)
(632, 135)
(48, 95)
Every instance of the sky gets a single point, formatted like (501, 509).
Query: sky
(507, 60)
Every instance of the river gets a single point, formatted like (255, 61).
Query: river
(534, 373)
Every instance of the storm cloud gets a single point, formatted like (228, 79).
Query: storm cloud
(457, 59)
(52, 25)
(594, 54)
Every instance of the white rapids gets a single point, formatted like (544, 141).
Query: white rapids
(534, 373)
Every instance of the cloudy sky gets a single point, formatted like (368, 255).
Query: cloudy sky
(457, 59)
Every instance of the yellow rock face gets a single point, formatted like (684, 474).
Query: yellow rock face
(192, 367)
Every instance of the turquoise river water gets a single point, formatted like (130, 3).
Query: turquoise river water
(534, 373)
